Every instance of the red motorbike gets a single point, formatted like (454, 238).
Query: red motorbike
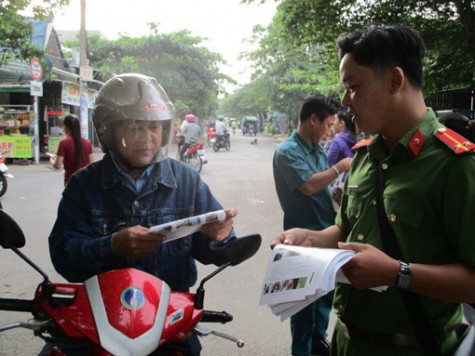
(120, 312)
(212, 136)
(194, 156)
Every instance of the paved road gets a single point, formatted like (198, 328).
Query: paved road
(240, 178)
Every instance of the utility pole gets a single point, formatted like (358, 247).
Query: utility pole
(83, 64)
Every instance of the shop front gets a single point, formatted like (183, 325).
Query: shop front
(63, 98)
(16, 131)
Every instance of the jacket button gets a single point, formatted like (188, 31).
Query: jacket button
(392, 217)
(360, 237)
(384, 166)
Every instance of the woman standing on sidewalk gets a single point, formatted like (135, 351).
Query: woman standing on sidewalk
(345, 139)
(74, 151)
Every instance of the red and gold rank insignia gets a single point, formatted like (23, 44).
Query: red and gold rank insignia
(362, 143)
(454, 141)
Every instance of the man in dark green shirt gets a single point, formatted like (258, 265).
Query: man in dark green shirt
(302, 177)
(429, 175)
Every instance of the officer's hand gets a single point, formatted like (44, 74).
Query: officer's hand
(135, 242)
(370, 267)
(219, 230)
(296, 237)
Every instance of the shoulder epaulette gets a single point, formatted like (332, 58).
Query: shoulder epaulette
(362, 143)
(454, 141)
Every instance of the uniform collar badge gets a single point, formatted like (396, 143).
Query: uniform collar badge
(416, 143)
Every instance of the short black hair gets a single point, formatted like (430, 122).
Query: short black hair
(318, 104)
(381, 47)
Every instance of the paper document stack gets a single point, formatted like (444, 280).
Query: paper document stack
(184, 227)
(296, 276)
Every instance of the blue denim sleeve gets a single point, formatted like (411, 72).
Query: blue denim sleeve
(78, 253)
(203, 249)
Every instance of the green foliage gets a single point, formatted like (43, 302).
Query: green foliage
(292, 70)
(187, 71)
(447, 27)
(15, 30)
(252, 99)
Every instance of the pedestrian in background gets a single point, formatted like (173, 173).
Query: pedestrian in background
(74, 152)
(345, 138)
(302, 176)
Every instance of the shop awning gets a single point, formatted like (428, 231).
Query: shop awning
(14, 87)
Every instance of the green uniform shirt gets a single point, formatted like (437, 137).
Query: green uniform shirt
(429, 200)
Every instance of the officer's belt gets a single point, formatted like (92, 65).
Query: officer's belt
(397, 339)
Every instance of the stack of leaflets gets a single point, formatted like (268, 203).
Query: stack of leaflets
(338, 183)
(184, 227)
(297, 276)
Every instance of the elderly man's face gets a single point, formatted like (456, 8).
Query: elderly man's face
(139, 141)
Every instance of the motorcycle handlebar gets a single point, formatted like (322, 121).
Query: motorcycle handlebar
(20, 305)
(211, 316)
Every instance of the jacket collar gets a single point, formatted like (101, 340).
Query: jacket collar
(161, 172)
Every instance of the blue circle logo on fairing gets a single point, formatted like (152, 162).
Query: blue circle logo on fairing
(132, 298)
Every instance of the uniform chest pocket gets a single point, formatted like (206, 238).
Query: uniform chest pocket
(354, 209)
(403, 212)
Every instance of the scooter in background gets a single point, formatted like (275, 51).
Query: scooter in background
(195, 156)
(3, 175)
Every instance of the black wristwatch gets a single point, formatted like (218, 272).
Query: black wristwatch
(404, 277)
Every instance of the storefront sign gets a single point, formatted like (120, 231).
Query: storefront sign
(86, 73)
(53, 143)
(36, 88)
(16, 146)
(70, 95)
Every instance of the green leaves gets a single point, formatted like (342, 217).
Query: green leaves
(15, 30)
(187, 71)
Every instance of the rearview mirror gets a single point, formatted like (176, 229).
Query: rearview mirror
(11, 235)
(241, 248)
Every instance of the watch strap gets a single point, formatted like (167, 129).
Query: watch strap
(404, 276)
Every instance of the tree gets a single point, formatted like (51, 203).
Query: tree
(15, 30)
(292, 71)
(252, 99)
(447, 27)
(187, 71)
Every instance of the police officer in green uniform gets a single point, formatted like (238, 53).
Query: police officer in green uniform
(429, 174)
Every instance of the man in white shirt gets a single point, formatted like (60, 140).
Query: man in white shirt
(220, 128)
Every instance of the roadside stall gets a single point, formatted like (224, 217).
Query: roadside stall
(16, 131)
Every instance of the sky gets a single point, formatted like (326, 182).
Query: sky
(225, 23)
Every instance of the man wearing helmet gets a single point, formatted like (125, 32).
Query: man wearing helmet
(220, 127)
(191, 133)
(107, 208)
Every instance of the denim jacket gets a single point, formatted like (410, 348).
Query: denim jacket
(98, 201)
